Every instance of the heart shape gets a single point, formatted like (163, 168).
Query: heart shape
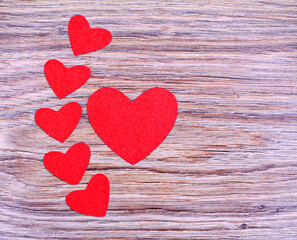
(64, 80)
(132, 129)
(83, 38)
(93, 200)
(71, 166)
(59, 124)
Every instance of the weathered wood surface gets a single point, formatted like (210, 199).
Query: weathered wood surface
(228, 169)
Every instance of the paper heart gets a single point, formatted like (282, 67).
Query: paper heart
(71, 166)
(83, 38)
(132, 129)
(64, 80)
(59, 124)
(93, 200)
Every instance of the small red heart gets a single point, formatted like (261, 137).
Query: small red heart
(59, 124)
(93, 200)
(83, 38)
(64, 80)
(71, 166)
(132, 129)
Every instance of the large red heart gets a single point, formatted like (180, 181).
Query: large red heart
(59, 124)
(64, 80)
(71, 166)
(93, 200)
(132, 129)
(83, 38)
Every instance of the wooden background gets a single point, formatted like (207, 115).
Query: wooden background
(227, 170)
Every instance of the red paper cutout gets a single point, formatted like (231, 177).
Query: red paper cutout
(93, 200)
(83, 38)
(132, 129)
(64, 80)
(59, 124)
(71, 166)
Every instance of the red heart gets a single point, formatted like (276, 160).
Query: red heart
(59, 124)
(132, 129)
(64, 80)
(69, 167)
(93, 200)
(83, 38)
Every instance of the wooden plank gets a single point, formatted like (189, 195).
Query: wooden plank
(228, 168)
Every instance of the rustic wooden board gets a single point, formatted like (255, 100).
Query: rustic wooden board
(228, 169)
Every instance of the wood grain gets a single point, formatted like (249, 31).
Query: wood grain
(228, 169)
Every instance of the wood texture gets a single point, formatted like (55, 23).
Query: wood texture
(228, 168)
